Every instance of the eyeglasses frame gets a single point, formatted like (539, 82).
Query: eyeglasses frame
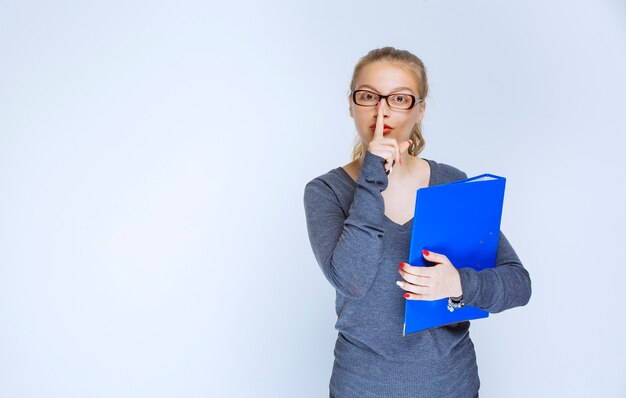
(385, 97)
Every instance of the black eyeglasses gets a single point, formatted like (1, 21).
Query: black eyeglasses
(395, 101)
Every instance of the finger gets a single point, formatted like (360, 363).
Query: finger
(434, 257)
(388, 170)
(411, 288)
(404, 147)
(391, 157)
(380, 122)
(394, 150)
(424, 272)
(416, 279)
(390, 162)
(417, 296)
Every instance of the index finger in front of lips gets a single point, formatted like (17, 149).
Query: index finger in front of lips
(380, 123)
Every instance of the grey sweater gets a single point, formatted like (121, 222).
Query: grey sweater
(358, 249)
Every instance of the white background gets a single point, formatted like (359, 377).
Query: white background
(153, 158)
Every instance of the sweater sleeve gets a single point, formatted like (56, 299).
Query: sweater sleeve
(496, 289)
(348, 249)
(502, 287)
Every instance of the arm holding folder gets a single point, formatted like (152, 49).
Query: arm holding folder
(505, 286)
(461, 220)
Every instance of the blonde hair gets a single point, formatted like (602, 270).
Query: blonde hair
(413, 65)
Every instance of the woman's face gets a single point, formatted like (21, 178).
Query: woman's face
(386, 78)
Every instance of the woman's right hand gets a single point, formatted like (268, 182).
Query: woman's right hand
(387, 148)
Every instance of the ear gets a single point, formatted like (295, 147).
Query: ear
(422, 110)
(350, 106)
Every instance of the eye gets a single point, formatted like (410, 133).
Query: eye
(367, 96)
(400, 98)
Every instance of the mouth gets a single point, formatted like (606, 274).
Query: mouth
(386, 128)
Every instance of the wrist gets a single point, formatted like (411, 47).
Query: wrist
(458, 292)
(457, 298)
(455, 303)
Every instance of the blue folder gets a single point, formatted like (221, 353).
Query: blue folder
(460, 219)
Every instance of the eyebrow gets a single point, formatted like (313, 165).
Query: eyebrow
(394, 90)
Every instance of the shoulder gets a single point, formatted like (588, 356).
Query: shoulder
(332, 184)
(445, 173)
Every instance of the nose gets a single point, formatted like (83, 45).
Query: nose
(384, 108)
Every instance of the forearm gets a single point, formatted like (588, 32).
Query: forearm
(505, 286)
(348, 249)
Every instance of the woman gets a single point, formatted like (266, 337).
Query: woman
(359, 221)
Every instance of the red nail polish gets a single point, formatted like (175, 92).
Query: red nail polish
(401, 265)
(426, 253)
(406, 295)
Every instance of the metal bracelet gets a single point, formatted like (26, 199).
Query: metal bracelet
(452, 305)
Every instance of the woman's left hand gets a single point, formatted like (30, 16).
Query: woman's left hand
(431, 283)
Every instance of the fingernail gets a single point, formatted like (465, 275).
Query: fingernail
(426, 253)
(406, 295)
(401, 284)
(401, 265)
